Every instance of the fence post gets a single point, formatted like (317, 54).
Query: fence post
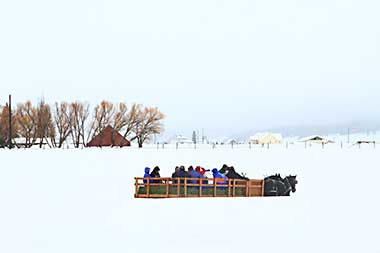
(167, 188)
(250, 145)
(214, 187)
(286, 145)
(229, 187)
(163, 145)
(148, 187)
(200, 187)
(341, 144)
(178, 187)
(158, 145)
(185, 187)
(136, 187)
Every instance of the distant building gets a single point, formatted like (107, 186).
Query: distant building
(317, 139)
(180, 139)
(266, 138)
(109, 137)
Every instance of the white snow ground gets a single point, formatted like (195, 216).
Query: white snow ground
(82, 201)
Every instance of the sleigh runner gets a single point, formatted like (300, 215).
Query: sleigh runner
(197, 187)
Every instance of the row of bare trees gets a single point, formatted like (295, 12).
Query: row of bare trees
(63, 122)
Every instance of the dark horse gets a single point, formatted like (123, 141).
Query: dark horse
(275, 185)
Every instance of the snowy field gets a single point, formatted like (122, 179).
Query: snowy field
(82, 201)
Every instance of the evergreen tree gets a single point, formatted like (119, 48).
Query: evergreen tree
(194, 138)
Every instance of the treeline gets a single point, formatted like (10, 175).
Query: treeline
(56, 124)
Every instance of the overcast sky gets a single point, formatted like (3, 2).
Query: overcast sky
(225, 66)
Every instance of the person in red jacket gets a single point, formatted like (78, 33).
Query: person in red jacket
(200, 170)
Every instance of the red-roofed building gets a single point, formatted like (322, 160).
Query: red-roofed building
(109, 137)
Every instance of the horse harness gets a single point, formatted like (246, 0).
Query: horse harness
(275, 187)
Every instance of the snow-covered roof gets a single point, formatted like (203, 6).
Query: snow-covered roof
(314, 138)
(261, 135)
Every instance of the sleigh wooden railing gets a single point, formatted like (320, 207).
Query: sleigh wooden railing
(196, 187)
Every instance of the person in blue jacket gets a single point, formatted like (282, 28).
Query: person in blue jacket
(147, 174)
(220, 178)
(194, 174)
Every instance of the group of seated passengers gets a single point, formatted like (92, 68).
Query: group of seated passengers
(180, 172)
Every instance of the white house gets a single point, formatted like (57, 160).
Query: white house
(266, 138)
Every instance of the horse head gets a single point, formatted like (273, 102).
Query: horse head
(293, 181)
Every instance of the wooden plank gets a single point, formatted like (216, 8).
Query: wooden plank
(136, 187)
(229, 188)
(167, 188)
(214, 187)
(185, 188)
(178, 188)
(148, 187)
(234, 188)
(200, 188)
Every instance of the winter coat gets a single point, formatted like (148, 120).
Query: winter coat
(183, 174)
(219, 177)
(155, 173)
(200, 170)
(195, 174)
(146, 175)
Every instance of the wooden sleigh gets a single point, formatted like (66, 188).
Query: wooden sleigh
(197, 188)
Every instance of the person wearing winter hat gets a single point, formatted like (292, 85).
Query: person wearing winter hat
(155, 173)
(219, 177)
(146, 175)
(200, 170)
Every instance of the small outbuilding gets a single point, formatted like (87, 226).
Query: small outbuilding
(109, 137)
(317, 139)
(266, 138)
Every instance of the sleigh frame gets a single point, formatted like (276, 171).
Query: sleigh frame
(197, 188)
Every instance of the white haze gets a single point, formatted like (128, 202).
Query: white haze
(225, 66)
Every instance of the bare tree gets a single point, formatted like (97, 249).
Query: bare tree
(45, 128)
(26, 116)
(4, 124)
(120, 117)
(133, 119)
(62, 119)
(103, 116)
(148, 124)
(79, 113)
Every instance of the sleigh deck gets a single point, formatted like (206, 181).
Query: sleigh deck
(196, 188)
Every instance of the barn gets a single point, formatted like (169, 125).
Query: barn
(266, 138)
(317, 139)
(109, 137)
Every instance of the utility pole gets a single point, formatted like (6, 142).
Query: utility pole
(10, 122)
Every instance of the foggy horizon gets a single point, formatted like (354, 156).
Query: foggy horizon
(228, 67)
